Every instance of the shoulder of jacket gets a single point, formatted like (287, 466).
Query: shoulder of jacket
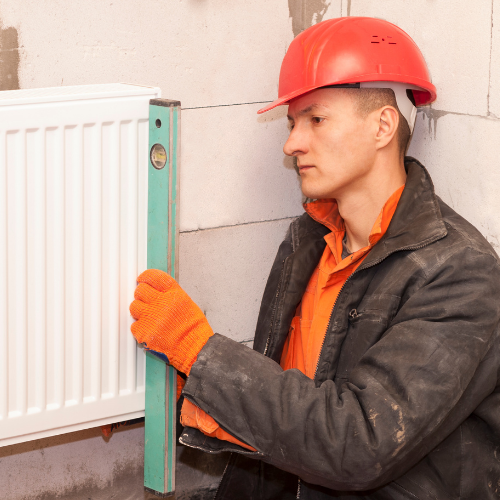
(462, 234)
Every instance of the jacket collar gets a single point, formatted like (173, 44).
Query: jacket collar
(417, 220)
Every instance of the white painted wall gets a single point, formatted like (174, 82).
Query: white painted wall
(221, 60)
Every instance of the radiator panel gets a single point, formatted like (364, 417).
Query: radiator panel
(73, 235)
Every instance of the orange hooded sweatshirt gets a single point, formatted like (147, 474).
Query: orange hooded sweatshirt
(308, 328)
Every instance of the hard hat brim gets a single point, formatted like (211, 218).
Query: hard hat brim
(422, 98)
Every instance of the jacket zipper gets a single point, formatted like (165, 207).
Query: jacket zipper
(222, 476)
(298, 489)
(275, 308)
(361, 268)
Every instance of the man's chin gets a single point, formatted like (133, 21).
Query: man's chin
(313, 194)
(308, 192)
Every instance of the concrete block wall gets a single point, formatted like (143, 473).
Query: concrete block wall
(238, 193)
(456, 138)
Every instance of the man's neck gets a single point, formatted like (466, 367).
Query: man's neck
(361, 206)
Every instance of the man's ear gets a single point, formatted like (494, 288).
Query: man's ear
(388, 126)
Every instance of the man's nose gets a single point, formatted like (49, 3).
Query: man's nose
(296, 143)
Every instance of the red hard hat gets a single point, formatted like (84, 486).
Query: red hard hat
(350, 50)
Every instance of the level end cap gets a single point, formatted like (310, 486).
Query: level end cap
(166, 103)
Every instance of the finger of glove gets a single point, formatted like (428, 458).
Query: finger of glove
(137, 329)
(145, 293)
(159, 280)
(137, 308)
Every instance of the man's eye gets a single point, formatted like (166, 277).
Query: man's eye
(317, 119)
(290, 126)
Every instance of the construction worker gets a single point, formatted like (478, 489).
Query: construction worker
(374, 372)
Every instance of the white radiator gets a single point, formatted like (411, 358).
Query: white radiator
(73, 230)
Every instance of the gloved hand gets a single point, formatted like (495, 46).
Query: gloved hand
(168, 321)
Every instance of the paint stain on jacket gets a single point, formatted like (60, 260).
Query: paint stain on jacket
(9, 59)
(399, 436)
(305, 13)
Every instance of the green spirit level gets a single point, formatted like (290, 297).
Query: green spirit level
(163, 240)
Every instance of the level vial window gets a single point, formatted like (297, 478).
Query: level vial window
(158, 156)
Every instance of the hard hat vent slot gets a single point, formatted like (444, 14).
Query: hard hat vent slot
(377, 39)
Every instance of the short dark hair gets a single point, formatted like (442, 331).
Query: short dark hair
(369, 100)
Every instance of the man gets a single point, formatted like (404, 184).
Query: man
(375, 366)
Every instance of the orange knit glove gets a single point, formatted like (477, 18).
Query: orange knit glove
(168, 321)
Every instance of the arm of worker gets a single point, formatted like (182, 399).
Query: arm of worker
(173, 327)
(406, 395)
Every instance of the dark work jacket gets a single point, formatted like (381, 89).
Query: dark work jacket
(405, 403)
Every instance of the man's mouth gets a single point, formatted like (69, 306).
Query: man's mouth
(304, 168)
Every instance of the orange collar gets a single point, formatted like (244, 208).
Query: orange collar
(326, 212)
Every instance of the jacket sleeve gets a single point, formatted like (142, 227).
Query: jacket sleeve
(427, 374)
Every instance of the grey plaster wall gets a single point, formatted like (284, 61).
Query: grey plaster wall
(238, 192)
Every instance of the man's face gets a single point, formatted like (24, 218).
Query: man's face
(334, 145)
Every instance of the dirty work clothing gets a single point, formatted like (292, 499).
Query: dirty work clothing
(307, 332)
(308, 328)
(405, 402)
